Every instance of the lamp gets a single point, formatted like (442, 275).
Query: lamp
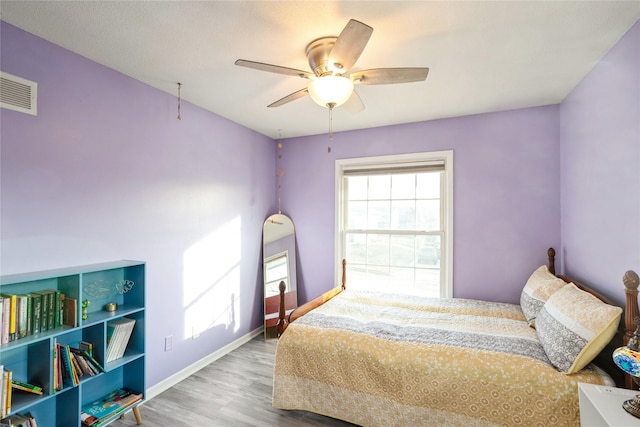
(330, 91)
(628, 359)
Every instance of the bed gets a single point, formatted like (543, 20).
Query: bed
(392, 360)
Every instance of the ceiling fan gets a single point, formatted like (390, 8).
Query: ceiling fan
(330, 59)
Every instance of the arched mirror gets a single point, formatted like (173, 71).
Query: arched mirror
(279, 265)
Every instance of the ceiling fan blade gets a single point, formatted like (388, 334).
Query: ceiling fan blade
(385, 76)
(354, 104)
(273, 68)
(349, 45)
(291, 97)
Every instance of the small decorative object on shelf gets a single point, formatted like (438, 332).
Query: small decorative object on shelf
(112, 306)
(124, 286)
(85, 307)
(628, 358)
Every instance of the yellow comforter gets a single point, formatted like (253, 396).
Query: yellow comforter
(380, 360)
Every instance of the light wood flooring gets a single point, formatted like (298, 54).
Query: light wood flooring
(233, 391)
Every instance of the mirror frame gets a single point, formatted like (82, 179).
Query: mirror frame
(278, 241)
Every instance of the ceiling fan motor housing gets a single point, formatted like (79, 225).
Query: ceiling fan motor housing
(318, 55)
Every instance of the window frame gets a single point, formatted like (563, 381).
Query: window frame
(280, 255)
(398, 161)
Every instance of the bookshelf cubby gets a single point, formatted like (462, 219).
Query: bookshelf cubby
(30, 359)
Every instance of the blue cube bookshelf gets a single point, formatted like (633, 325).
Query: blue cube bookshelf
(30, 359)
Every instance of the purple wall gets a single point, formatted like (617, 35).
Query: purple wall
(506, 201)
(106, 172)
(600, 165)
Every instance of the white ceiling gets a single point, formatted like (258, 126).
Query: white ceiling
(483, 56)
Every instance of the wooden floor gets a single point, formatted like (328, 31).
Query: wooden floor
(233, 391)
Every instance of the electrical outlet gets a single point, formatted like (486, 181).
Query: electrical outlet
(168, 343)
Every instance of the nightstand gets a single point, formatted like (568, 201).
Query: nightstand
(602, 406)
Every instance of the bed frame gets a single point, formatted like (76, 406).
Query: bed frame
(626, 331)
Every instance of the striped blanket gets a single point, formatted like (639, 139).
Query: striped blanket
(393, 360)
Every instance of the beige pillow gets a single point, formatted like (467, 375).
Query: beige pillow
(574, 326)
(540, 286)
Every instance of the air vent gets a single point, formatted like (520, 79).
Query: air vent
(18, 94)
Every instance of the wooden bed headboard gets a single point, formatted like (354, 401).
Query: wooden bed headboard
(626, 330)
(628, 325)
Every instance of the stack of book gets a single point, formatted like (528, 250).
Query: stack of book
(18, 420)
(108, 408)
(27, 314)
(9, 385)
(118, 334)
(71, 365)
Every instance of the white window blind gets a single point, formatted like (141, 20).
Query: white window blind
(395, 222)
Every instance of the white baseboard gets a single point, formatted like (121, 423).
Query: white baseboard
(174, 379)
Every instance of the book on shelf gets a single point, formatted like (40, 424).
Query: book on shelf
(4, 320)
(88, 365)
(36, 311)
(56, 368)
(67, 377)
(57, 309)
(86, 347)
(30, 388)
(44, 309)
(94, 362)
(52, 309)
(118, 334)
(70, 311)
(109, 407)
(5, 395)
(9, 313)
(23, 316)
(82, 365)
(75, 373)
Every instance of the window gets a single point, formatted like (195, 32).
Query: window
(395, 222)
(276, 269)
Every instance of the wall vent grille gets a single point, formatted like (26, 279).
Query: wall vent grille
(18, 94)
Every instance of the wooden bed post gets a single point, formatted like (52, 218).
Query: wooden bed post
(551, 254)
(282, 321)
(344, 274)
(631, 282)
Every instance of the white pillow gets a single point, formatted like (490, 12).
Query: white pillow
(540, 286)
(574, 326)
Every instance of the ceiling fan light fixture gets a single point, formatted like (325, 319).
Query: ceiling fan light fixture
(330, 91)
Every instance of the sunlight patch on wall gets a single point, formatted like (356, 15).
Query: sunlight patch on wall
(212, 281)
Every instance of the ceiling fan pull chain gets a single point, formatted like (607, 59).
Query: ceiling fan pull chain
(280, 170)
(330, 106)
(179, 86)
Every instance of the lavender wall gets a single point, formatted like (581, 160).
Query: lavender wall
(106, 171)
(600, 164)
(506, 202)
